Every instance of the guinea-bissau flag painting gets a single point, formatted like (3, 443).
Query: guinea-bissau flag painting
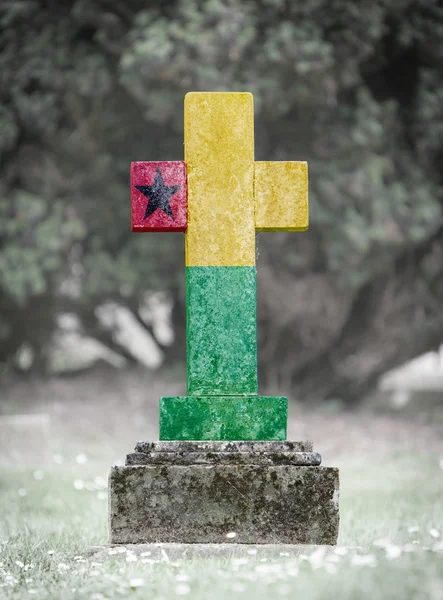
(220, 197)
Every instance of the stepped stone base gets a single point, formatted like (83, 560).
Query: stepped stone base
(200, 492)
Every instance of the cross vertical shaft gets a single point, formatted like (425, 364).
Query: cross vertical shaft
(220, 245)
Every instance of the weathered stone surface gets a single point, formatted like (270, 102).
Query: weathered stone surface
(223, 418)
(224, 458)
(232, 446)
(159, 196)
(221, 336)
(202, 504)
(281, 196)
(219, 155)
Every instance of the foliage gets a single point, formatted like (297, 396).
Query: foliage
(355, 89)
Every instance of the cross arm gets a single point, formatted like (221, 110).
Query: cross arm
(159, 196)
(281, 196)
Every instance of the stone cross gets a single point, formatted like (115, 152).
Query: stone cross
(219, 196)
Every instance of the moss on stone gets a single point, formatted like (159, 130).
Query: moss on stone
(276, 504)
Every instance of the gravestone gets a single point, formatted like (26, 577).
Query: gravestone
(222, 470)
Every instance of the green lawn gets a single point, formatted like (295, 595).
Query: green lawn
(391, 509)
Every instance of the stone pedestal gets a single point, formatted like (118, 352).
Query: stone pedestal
(199, 492)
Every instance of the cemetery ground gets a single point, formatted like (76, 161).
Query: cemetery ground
(52, 516)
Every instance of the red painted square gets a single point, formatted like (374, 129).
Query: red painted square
(159, 196)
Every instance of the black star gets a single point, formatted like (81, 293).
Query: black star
(158, 195)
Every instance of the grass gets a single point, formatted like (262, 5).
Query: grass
(391, 471)
(391, 509)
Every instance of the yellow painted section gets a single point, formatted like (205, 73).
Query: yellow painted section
(219, 154)
(281, 196)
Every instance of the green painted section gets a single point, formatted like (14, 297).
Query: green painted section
(223, 418)
(221, 331)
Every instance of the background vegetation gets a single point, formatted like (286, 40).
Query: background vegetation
(354, 88)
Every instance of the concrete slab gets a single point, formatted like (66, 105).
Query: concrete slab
(163, 552)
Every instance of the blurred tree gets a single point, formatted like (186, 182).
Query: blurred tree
(354, 88)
